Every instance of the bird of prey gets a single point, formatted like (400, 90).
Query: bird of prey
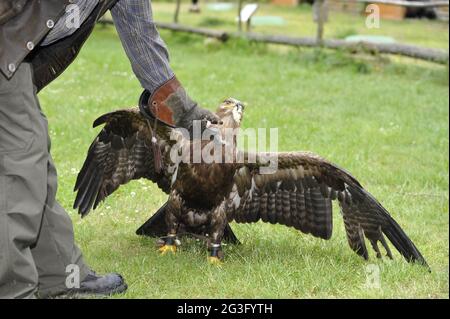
(205, 197)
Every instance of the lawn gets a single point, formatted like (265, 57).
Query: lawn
(386, 121)
(298, 21)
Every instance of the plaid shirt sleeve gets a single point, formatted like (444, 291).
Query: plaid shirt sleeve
(142, 43)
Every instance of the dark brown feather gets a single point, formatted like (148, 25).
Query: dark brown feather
(120, 153)
(299, 195)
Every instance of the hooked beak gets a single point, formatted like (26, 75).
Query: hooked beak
(237, 112)
(240, 107)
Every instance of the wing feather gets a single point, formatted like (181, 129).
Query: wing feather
(299, 195)
(120, 153)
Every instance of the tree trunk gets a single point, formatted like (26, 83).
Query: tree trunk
(320, 19)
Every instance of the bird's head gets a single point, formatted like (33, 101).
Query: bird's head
(231, 112)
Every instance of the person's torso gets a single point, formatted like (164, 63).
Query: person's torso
(23, 33)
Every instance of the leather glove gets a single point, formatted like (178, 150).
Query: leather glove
(171, 105)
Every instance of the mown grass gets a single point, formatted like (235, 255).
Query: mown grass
(386, 122)
(299, 22)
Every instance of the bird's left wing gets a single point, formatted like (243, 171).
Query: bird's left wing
(299, 194)
(122, 151)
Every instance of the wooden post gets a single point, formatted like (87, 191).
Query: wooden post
(320, 23)
(239, 15)
(320, 17)
(177, 11)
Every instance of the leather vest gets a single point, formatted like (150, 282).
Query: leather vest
(26, 26)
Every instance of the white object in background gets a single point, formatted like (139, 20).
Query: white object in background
(247, 12)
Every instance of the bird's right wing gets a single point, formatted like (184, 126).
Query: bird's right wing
(121, 152)
(299, 194)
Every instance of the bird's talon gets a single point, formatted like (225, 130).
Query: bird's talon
(214, 261)
(168, 249)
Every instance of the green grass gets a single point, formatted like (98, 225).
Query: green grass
(386, 122)
(299, 22)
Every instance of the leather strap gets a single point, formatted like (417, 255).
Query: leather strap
(156, 103)
(145, 110)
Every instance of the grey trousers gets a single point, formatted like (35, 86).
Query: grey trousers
(36, 233)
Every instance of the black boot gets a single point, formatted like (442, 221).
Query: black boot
(97, 285)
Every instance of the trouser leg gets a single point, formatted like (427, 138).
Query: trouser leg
(36, 235)
(56, 249)
(23, 179)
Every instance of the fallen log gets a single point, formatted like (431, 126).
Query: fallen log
(409, 4)
(220, 35)
(434, 55)
(428, 54)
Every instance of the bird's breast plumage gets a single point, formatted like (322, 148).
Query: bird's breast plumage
(204, 185)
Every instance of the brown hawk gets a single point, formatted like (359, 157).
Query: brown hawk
(204, 197)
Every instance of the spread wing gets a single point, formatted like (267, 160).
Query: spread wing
(121, 152)
(299, 195)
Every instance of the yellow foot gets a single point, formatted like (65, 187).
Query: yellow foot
(214, 261)
(167, 249)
